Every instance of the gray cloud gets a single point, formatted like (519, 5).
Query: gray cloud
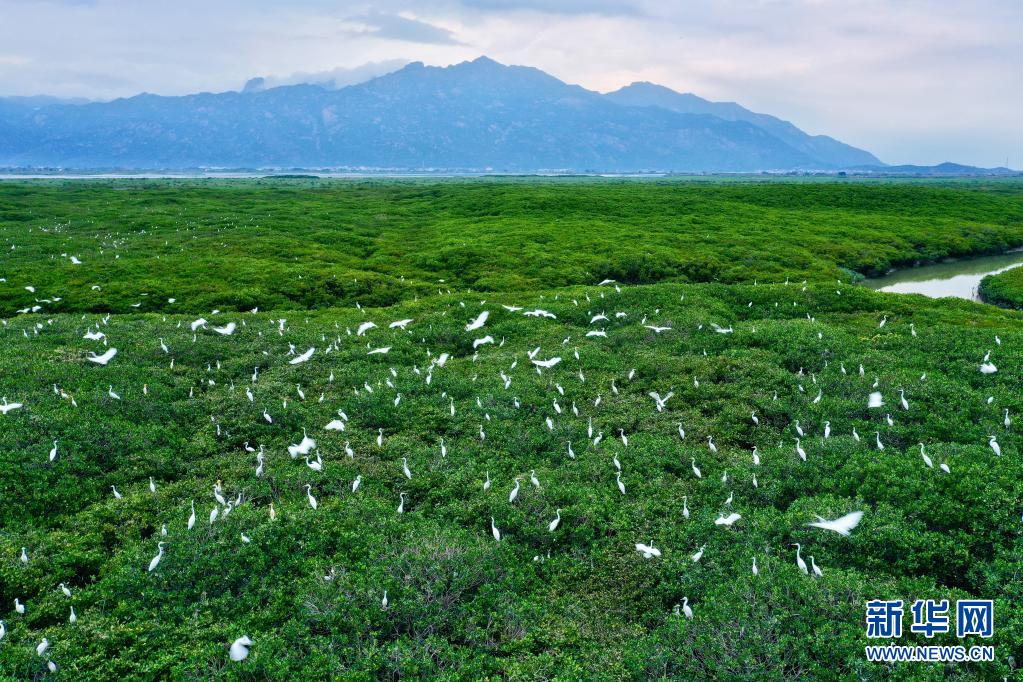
(604, 7)
(396, 27)
(334, 78)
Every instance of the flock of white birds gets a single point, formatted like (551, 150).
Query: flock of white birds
(570, 398)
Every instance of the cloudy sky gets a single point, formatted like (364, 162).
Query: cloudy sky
(918, 81)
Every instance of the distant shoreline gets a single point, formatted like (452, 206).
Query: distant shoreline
(296, 174)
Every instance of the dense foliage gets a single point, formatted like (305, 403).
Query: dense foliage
(576, 603)
(316, 244)
(1005, 289)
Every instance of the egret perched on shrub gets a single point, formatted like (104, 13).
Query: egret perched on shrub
(240, 648)
(799, 560)
(155, 561)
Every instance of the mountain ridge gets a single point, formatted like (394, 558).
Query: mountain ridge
(474, 115)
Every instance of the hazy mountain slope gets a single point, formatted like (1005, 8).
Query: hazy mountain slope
(826, 150)
(473, 115)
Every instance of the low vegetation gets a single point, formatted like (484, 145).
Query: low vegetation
(307, 584)
(304, 244)
(1005, 289)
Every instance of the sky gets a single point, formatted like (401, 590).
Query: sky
(913, 81)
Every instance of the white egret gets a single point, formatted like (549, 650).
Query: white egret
(480, 320)
(6, 407)
(659, 402)
(155, 561)
(799, 561)
(994, 445)
(240, 648)
(648, 551)
(816, 569)
(494, 530)
(515, 491)
(304, 357)
(723, 520)
(102, 359)
(309, 495)
(800, 451)
(842, 525)
(304, 447)
(553, 525)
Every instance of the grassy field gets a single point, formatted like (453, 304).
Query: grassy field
(1005, 289)
(320, 260)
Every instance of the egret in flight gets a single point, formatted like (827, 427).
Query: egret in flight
(842, 525)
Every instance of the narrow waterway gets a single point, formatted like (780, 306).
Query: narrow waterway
(958, 279)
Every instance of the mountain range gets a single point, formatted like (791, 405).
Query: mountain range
(472, 116)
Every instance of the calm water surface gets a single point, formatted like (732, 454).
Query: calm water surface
(958, 279)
